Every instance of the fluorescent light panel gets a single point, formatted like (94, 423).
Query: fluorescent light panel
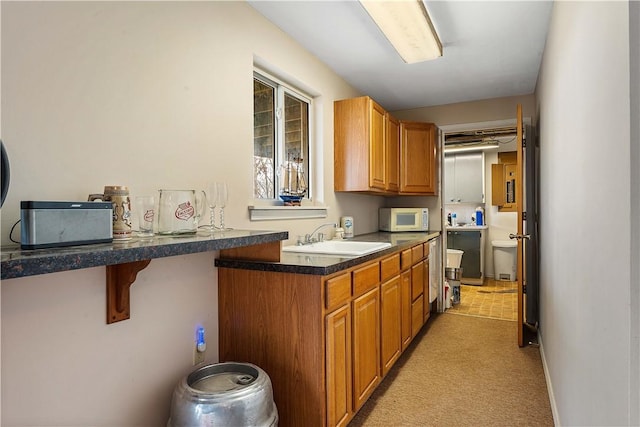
(471, 148)
(407, 25)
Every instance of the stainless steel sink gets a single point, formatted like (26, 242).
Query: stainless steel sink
(338, 247)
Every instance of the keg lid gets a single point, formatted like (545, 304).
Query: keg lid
(222, 377)
(223, 382)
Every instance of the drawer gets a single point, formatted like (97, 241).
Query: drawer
(365, 278)
(416, 253)
(405, 259)
(425, 249)
(337, 291)
(389, 267)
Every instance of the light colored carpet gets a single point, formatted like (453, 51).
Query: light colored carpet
(462, 371)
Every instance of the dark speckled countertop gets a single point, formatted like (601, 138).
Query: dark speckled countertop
(22, 263)
(326, 264)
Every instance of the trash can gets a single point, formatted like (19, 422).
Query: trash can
(454, 258)
(224, 394)
(504, 259)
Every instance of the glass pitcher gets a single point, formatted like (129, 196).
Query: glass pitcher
(179, 211)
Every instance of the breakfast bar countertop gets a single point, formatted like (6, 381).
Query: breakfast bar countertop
(21, 263)
(316, 264)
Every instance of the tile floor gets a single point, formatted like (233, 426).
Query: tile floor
(496, 299)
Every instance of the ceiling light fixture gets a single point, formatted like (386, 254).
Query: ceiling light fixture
(477, 147)
(406, 24)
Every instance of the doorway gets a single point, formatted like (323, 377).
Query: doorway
(481, 295)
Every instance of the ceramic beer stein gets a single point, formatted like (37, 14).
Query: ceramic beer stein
(118, 195)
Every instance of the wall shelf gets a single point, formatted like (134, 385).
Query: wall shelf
(124, 260)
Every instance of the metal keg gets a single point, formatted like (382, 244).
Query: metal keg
(224, 394)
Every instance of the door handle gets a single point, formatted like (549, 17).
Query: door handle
(519, 236)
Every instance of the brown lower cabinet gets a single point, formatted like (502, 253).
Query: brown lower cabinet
(326, 342)
(405, 310)
(391, 322)
(338, 358)
(366, 346)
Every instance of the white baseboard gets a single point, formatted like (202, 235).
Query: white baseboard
(547, 377)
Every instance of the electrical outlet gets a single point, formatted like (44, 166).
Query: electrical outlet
(198, 356)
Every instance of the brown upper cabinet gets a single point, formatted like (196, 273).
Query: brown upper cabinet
(418, 158)
(393, 154)
(376, 153)
(503, 182)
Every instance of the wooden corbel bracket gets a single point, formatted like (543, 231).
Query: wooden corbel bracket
(120, 277)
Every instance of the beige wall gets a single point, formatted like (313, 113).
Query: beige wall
(472, 112)
(588, 302)
(150, 95)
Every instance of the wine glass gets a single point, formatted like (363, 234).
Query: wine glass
(223, 197)
(212, 200)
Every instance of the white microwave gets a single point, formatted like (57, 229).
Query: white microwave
(403, 219)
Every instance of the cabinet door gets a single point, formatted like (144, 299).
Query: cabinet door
(377, 149)
(503, 182)
(451, 239)
(464, 178)
(338, 356)
(416, 315)
(510, 186)
(450, 178)
(469, 177)
(393, 153)
(418, 158)
(405, 309)
(417, 281)
(366, 346)
(359, 145)
(390, 316)
(498, 185)
(469, 243)
(427, 304)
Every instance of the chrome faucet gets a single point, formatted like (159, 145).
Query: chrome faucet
(308, 238)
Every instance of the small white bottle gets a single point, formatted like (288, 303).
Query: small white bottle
(346, 222)
(454, 219)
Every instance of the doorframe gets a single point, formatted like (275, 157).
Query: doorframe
(445, 129)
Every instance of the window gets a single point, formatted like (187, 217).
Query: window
(280, 139)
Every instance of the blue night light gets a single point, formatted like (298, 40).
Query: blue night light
(201, 345)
